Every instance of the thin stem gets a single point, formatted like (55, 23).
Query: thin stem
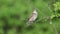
(54, 27)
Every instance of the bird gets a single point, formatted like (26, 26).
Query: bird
(32, 18)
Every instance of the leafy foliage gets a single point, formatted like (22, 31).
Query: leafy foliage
(15, 13)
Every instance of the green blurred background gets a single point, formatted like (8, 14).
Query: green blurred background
(15, 13)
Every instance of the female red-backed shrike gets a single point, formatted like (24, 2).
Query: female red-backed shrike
(32, 17)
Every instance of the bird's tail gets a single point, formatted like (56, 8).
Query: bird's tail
(28, 23)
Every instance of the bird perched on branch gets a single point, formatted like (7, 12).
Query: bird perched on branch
(32, 17)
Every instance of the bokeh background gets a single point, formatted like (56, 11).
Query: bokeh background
(15, 13)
